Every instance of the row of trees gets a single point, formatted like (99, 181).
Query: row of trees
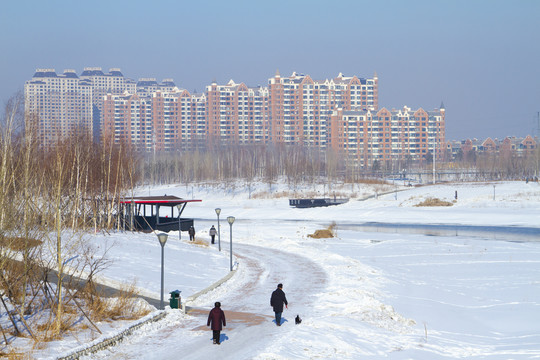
(48, 199)
(227, 163)
(307, 165)
(503, 165)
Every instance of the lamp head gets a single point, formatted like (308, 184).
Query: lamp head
(162, 237)
(230, 219)
(218, 211)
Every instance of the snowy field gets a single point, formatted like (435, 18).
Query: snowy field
(396, 293)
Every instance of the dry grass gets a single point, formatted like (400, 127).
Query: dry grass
(14, 355)
(125, 306)
(18, 243)
(327, 233)
(47, 332)
(270, 195)
(199, 241)
(373, 181)
(298, 194)
(434, 202)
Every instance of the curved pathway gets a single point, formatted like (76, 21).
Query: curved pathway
(246, 302)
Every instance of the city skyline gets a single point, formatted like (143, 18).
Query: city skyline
(479, 58)
(340, 113)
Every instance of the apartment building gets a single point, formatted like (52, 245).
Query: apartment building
(291, 110)
(102, 84)
(156, 121)
(193, 110)
(65, 102)
(128, 120)
(237, 114)
(386, 136)
(61, 104)
(147, 86)
(341, 113)
(300, 107)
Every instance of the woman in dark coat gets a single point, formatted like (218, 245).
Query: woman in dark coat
(276, 301)
(216, 318)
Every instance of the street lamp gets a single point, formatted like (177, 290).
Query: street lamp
(162, 240)
(218, 211)
(230, 219)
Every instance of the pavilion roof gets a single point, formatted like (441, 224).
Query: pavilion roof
(165, 200)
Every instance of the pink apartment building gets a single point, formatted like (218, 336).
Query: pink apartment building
(341, 113)
(388, 135)
(300, 107)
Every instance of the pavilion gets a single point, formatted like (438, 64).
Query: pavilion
(142, 213)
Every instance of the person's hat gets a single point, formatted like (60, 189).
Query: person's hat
(280, 286)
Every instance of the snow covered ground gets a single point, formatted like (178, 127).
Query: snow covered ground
(383, 293)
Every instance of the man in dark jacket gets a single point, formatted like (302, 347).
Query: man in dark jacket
(276, 301)
(216, 318)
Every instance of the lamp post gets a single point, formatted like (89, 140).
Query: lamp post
(162, 240)
(218, 211)
(230, 219)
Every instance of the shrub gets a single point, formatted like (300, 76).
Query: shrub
(327, 233)
(434, 202)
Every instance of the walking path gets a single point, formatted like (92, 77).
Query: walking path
(246, 302)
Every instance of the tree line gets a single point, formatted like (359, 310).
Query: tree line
(297, 164)
(50, 197)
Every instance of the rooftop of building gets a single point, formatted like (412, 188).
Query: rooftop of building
(147, 82)
(43, 73)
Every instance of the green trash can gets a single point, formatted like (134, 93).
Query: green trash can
(175, 301)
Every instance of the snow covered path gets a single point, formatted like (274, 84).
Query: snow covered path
(370, 295)
(246, 302)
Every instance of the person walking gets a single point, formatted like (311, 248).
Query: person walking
(276, 301)
(216, 318)
(213, 233)
(191, 232)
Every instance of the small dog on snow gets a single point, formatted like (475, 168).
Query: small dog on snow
(297, 320)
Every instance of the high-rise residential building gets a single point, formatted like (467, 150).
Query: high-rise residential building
(158, 121)
(300, 107)
(102, 84)
(341, 113)
(112, 82)
(67, 102)
(60, 104)
(388, 136)
(166, 120)
(128, 119)
(192, 120)
(237, 114)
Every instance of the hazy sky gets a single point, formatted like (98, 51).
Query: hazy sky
(480, 57)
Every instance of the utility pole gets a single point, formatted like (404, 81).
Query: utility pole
(434, 163)
(434, 140)
(537, 144)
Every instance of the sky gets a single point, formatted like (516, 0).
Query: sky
(480, 58)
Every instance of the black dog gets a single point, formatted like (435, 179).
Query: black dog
(297, 320)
